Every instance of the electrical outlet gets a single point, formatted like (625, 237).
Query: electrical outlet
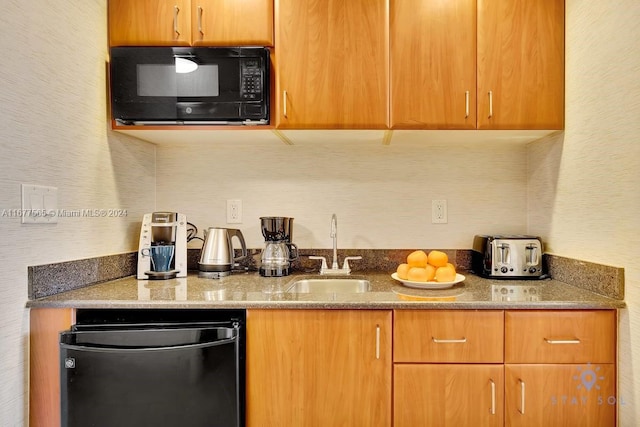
(234, 211)
(438, 211)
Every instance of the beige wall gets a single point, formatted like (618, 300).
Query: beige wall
(584, 187)
(53, 132)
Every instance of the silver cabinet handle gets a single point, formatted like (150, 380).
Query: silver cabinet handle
(284, 109)
(466, 104)
(200, 20)
(377, 341)
(571, 341)
(176, 9)
(522, 398)
(439, 341)
(490, 103)
(493, 397)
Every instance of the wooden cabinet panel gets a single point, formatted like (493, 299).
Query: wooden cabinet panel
(332, 64)
(44, 368)
(433, 64)
(448, 395)
(521, 64)
(560, 336)
(232, 22)
(560, 395)
(186, 22)
(318, 368)
(149, 22)
(448, 336)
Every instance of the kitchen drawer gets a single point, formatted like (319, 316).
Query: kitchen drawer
(560, 336)
(443, 336)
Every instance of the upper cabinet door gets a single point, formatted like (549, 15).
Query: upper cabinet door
(332, 64)
(149, 22)
(232, 22)
(520, 64)
(433, 64)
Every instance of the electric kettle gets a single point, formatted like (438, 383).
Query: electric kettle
(217, 254)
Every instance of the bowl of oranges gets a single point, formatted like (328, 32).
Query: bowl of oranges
(427, 271)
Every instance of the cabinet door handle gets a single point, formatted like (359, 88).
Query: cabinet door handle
(176, 9)
(490, 103)
(570, 341)
(200, 20)
(440, 341)
(493, 397)
(377, 341)
(284, 109)
(522, 398)
(466, 104)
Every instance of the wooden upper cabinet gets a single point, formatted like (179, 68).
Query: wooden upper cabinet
(232, 22)
(520, 64)
(332, 64)
(190, 22)
(433, 64)
(149, 22)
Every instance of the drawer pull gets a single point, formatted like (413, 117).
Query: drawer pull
(571, 341)
(521, 397)
(493, 397)
(457, 341)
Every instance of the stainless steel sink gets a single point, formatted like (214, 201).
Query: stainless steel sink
(329, 285)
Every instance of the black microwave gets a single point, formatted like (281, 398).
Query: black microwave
(190, 85)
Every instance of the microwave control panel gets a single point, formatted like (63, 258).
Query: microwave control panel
(251, 86)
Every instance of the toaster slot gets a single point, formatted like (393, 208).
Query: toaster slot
(532, 255)
(504, 253)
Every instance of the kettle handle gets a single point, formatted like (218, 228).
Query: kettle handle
(238, 234)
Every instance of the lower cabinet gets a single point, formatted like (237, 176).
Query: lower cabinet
(448, 395)
(560, 395)
(44, 361)
(318, 368)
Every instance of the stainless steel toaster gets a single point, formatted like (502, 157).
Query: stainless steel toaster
(507, 256)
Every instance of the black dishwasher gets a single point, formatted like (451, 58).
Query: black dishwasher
(153, 367)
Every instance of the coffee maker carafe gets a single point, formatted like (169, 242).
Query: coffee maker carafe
(162, 252)
(278, 252)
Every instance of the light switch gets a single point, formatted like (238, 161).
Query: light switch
(39, 204)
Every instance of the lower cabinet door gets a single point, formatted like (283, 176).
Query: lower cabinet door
(560, 395)
(318, 368)
(448, 395)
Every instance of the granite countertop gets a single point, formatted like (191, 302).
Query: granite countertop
(250, 290)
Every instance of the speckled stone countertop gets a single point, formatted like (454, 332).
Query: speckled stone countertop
(250, 290)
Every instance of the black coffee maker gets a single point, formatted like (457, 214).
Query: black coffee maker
(278, 252)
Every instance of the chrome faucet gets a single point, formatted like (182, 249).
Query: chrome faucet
(334, 236)
(335, 269)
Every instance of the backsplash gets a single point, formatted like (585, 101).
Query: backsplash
(51, 279)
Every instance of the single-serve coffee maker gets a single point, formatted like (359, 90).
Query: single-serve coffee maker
(278, 252)
(162, 252)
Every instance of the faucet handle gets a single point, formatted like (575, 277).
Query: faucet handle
(324, 261)
(345, 264)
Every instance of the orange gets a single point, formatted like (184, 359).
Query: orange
(431, 272)
(446, 273)
(417, 274)
(417, 259)
(403, 270)
(437, 258)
